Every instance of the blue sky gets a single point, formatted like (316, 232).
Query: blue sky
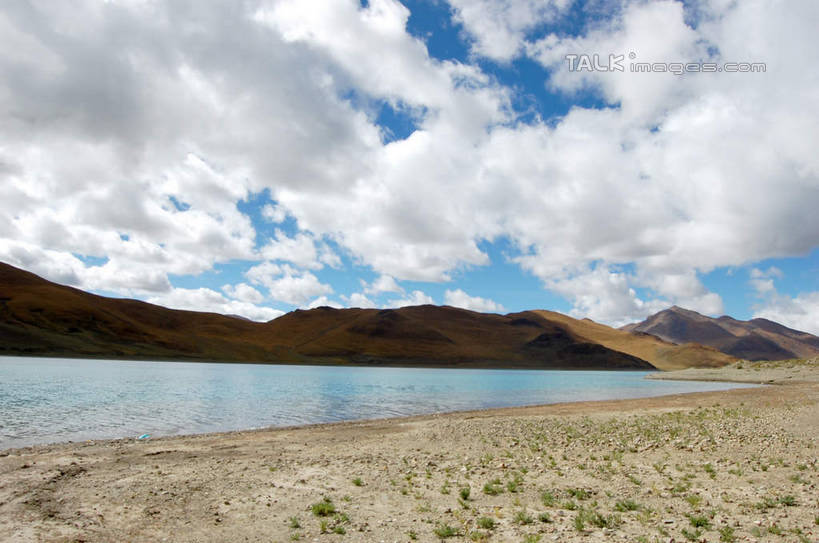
(258, 158)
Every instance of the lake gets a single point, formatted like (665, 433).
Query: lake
(45, 400)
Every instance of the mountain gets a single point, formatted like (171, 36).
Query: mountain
(662, 354)
(757, 339)
(41, 318)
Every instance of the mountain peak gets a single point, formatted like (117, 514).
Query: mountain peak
(757, 339)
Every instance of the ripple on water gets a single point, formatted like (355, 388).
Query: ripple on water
(46, 400)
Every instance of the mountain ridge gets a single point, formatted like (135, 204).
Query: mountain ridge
(662, 354)
(755, 339)
(41, 318)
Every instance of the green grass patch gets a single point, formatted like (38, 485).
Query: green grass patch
(445, 530)
(493, 487)
(323, 508)
(626, 505)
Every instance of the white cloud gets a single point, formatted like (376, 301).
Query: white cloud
(358, 299)
(383, 283)
(299, 250)
(145, 167)
(605, 295)
(762, 281)
(498, 28)
(416, 297)
(286, 284)
(800, 312)
(652, 32)
(243, 292)
(459, 298)
(205, 299)
(274, 213)
(323, 301)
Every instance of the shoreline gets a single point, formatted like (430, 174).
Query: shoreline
(780, 372)
(742, 462)
(409, 363)
(582, 406)
(489, 411)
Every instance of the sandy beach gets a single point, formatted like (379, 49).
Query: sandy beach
(722, 466)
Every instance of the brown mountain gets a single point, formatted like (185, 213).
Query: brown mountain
(662, 354)
(38, 317)
(757, 339)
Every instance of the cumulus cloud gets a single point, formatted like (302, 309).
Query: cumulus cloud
(459, 298)
(208, 300)
(299, 250)
(383, 283)
(498, 28)
(762, 281)
(274, 213)
(358, 299)
(323, 301)
(416, 297)
(243, 292)
(127, 143)
(287, 284)
(800, 312)
(605, 295)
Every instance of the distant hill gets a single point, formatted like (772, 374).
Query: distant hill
(41, 318)
(757, 339)
(662, 354)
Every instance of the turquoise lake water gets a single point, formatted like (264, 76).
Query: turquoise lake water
(45, 400)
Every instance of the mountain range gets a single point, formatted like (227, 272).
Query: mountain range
(41, 318)
(756, 339)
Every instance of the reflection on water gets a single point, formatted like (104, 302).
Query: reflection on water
(44, 400)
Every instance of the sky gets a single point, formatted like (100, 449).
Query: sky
(605, 159)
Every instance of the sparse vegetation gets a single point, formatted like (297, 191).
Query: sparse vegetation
(493, 487)
(726, 534)
(445, 530)
(523, 518)
(547, 498)
(323, 508)
(699, 521)
(626, 505)
(694, 500)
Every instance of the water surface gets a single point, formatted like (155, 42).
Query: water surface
(44, 400)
